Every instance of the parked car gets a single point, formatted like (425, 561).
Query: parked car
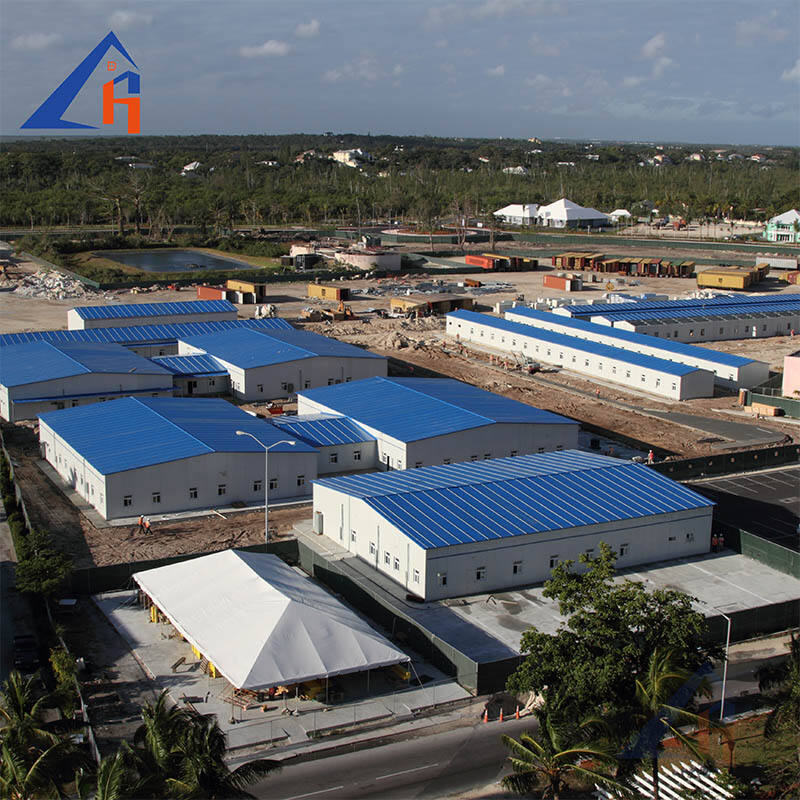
(26, 653)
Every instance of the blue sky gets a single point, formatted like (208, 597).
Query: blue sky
(702, 71)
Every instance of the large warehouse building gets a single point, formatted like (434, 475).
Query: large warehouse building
(423, 421)
(146, 340)
(635, 371)
(39, 376)
(158, 455)
(698, 319)
(475, 528)
(730, 370)
(111, 316)
(265, 364)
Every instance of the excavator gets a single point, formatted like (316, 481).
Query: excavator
(342, 312)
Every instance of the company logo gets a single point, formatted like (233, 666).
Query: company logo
(49, 114)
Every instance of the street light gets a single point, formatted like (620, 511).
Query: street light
(725, 665)
(267, 448)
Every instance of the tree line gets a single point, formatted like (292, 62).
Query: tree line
(88, 182)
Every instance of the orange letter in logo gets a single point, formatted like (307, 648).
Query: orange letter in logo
(108, 108)
(111, 66)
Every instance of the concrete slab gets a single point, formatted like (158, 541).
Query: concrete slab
(280, 722)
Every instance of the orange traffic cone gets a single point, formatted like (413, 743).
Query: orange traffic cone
(516, 715)
(486, 715)
(501, 713)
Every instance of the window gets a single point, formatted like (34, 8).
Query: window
(513, 453)
(222, 489)
(445, 461)
(627, 373)
(613, 370)
(284, 386)
(674, 386)
(480, 573)
(416, 576)
(260, 388)
(307, 384)
(193, 493)
(763, 327)
(722, 330)
(644, 377)
(212, 382)
(352, 536)
(387, 559)
(356, 455)
(676, 334)
(473, 458)
(573, 359)
(586, 362)
(516, 568)
(258, 486)
(74, 403)
(441, 577)
(333, 458)
(417, 464)
(330, 381)
(600, 366)
(156, 497)
(623, 550)
(301, 480)
(702, 331)
(690, 537)
(658, 381)
(590, 552)
(273, 483)
(672, 538)
(691, 331)
(540, 449)
(553, 561)
(396, 563)
(347, 380)
(372, 548)
(127, 500)
(559, 447)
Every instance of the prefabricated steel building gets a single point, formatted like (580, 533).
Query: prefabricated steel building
(267, 364)
(111, 316)
(150, 456)
(422, 421)
(36, 377)
(635, 371)
(730, 370)
(476, 528)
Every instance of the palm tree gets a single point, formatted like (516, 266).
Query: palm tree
(203, 772)
(555, 752)
(22, 781)
(784, 678)
(21, 705)
(655, 716)
(116, 778)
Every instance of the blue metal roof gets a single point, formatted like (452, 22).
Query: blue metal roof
(584, 345)
(665, 345)
(718, 301)
(725, 312)
(484, 500)
(42, 361)
(409, 409)
(129, 433)
(144, 334)
(323, 430)
(191, 365)
(127, 310)
(246, 348)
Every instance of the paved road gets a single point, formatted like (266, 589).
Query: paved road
(765, 503)
(427, 767)
(443, 764)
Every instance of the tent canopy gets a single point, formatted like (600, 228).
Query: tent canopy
(261, 623)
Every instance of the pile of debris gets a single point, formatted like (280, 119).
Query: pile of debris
(51, 285)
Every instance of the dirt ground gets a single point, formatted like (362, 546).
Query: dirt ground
(415, 347)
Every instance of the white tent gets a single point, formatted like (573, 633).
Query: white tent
(619, 213)
(564, 213)
(518, 213)
(261, 623)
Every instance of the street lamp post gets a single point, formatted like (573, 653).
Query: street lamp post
(267, 448)
(725, 666)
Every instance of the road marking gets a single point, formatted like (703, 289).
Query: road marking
(402, 772)
(309, 794)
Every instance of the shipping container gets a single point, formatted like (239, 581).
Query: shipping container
(327, 292)
(211, 293)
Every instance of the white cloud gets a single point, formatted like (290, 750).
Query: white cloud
(632, 80)
(365, 69)
(502, 8)
(35, 41)
(792, 74)
(496, 72)
(440, 16)
(307, 30)
(543, 47)
(660, 64)
(766, 28)
(652, 47)
(398, 70)
(270, 48)
(123, 19)
(539, 81)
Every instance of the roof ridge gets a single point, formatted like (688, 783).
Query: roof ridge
(170, 422)
(268, 333)
(504, 480)
(59, 349)
(489, 421)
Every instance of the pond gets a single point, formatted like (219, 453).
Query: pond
(172, 260)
